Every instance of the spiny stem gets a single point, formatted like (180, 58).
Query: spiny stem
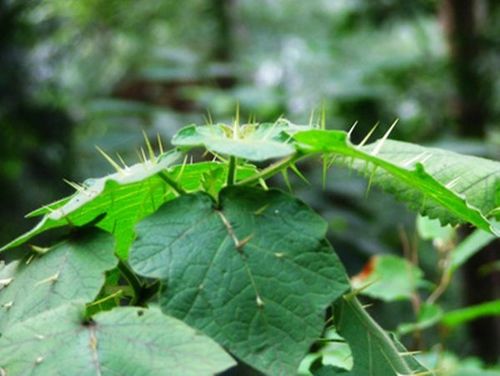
(271, 169)
(231, 173)
(172, 183)
(132, 280)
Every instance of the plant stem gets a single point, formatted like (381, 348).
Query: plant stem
(271, 169)
(132, 280)
(231, 173)
(172, 183)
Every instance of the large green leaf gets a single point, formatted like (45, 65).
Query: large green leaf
(437, 183)
(254, 142)
(71, 270)
(374, 352)
(122, 199)
(252, 272)
(124, 341)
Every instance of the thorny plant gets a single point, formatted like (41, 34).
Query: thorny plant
(183, 268)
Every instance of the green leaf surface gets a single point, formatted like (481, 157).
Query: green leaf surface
(388, 278)
(124, 341)
(124, 198)
(374, 352)
(71, 270)
(253, 272)
(437, 183)
(253, 142)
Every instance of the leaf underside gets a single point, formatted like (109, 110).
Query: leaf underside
(124, 341)
(253, 272)
(440, 184)
(72, 270)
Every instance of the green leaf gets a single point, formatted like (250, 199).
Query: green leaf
(254, 142)
(388, 278)
(431, 229)
(71, 270)
(374, 352)
(124, 341)
(253, 272)
(437, 183)
(124, 198)
(463, 315)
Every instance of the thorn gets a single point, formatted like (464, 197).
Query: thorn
(125, 167)
(5, 282)
(263, 184)
(414, 159)
(369, 134)
(51, 279)
(115, 165)
(294, 168)
(453, 182)
(261, 210)
(75, 186)
(210, 121)
(160, 143)
(409, 353)
(380, 142)
(349, 133)
(241, 243)
(144, 158)
(370, 180)
(32, 256)
(311, 118)
(323, 117)
(152, 156)
(39, 250)
(259, 301)
(236, 124)
(284, 173)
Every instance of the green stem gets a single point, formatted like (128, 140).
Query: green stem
(231, 173)
(271, 169)
(132, 280)
(172, 183)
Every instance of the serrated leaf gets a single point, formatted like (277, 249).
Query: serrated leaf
(124, 341)
(374, 352)
(71, 270)
(254, 142)
(389, 278)
(425, 178)
(123, 200)
(252, 272)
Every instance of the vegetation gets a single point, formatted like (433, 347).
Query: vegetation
(158, 248)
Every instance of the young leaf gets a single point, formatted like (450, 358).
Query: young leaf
(254, 272)
(437, 183)
(253, 142)
(72, 270)
(124, 341)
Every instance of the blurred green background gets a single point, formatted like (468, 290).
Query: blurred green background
(76, 74)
